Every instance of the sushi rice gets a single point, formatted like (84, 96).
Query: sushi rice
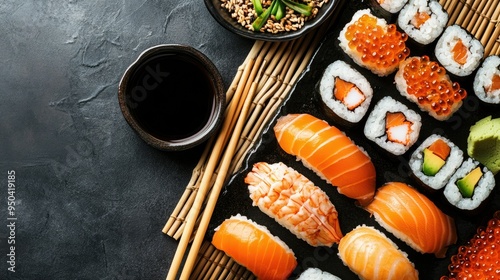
(345, 72)
(481, 191)
(316, 274)
(391, 6)
(444, 51)
(439, 180)
(483, 80)
(375, 125)
(431, 28)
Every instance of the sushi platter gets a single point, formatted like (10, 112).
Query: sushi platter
(389, 167)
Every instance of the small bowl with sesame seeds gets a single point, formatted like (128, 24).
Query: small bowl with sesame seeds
(271, 20)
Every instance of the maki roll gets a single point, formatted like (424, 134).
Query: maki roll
(393, 126)
(435, 161)
(426, 83)
(458, 51)
(345, 93)
(423, 20)
(469, 186)
(487, 80)
(374, 44)
(387, 9)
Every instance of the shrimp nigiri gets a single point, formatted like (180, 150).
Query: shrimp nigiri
(371, 255)
(294, 202)
(254, 247)
(328, 152)
(413, 218)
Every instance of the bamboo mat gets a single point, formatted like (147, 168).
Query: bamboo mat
(261, 84)
(480, 17)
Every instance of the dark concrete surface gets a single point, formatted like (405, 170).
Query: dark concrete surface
(90, 197)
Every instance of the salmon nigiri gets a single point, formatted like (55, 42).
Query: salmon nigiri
(371, 255)
(413, 218)
(254, 247)
(330, 153)
(294, 202)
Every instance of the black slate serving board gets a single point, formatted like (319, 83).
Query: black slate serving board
(305, 99)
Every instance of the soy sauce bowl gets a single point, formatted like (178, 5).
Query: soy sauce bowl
(173, 97)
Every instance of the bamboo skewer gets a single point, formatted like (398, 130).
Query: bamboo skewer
(205, 182)
(221, 178)
(470, 13)
(477, 15)
(463, 12)
(491, 26)
(485, 19)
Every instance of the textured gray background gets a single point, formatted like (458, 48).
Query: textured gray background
(91, 196)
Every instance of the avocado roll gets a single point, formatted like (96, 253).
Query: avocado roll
(459, 51)
(345, 93)
(487, 80)
(423, 20)
(393, 126)
(470, 186)
(434, 162)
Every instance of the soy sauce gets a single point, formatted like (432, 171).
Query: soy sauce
(171, 96)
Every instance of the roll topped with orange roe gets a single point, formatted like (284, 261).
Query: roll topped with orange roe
(426, 83)
(374, 44)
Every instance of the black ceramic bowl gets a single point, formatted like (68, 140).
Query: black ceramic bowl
(222, 16)
(173, 97)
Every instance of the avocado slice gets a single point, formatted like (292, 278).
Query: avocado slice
(467, 184)
(432, 163)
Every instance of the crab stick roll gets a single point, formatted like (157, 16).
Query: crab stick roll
(374, 44)
(458, 51)
(393, 126)
(423, 20)
(434, 161)
(372, 255)
(329, 153)
(425, 83)
(254, 247)
(469, 186)
(487, 80)
(294, 202)
(413, 218)
(345, 93)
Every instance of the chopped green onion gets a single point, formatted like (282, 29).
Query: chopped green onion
(257, 6)
(262, 18)
(275, 7)
(298, 7)
(280, 13)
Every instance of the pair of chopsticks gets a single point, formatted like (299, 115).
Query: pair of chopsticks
(259, 88)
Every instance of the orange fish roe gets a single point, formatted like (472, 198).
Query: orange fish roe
(480, 257)
(378, 47)
(430, 87)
